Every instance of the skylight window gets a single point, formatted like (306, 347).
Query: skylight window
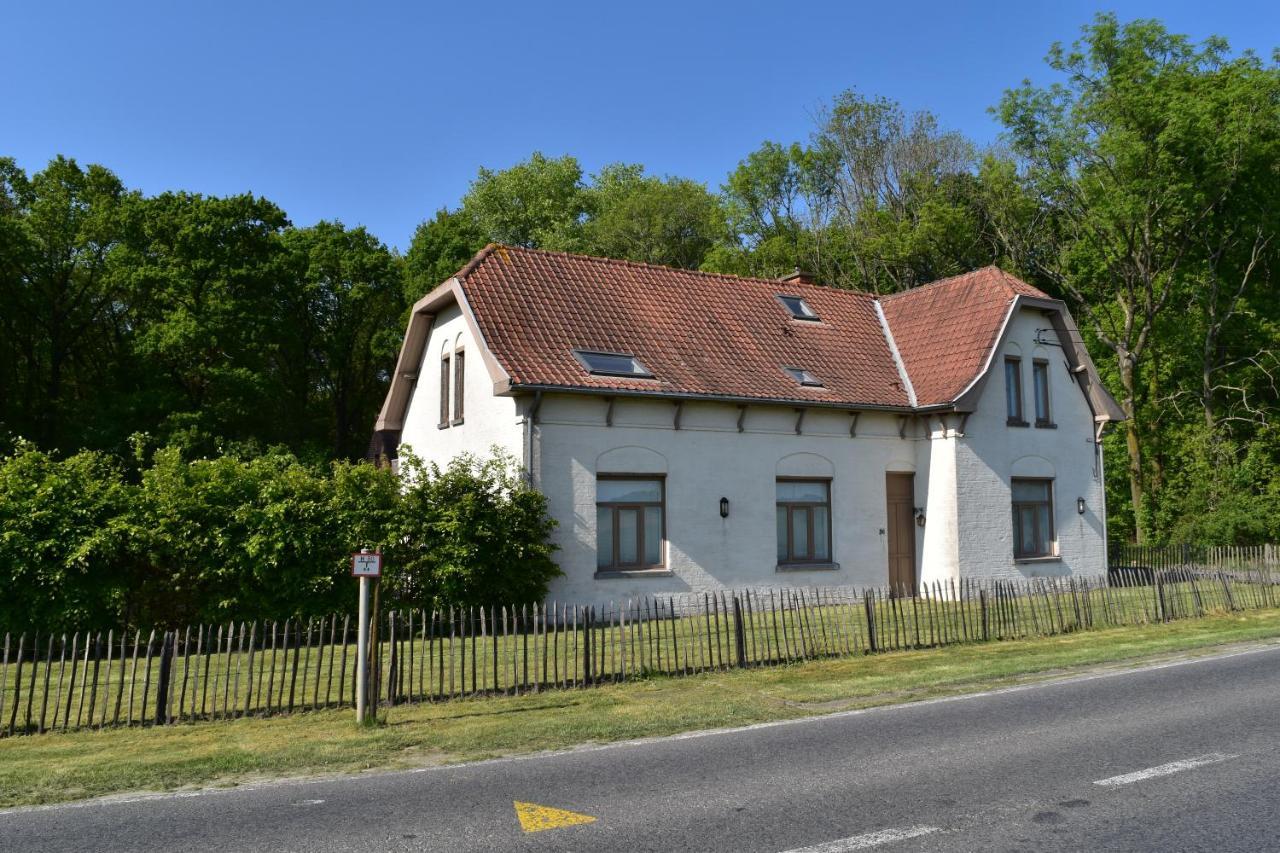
(799, 309)
(611, 364)
(803, 376)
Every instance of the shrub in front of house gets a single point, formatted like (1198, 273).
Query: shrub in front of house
(87, 541)
(471, 533)
(63, 523)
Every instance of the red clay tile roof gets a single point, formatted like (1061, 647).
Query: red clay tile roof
(945, 330)
(722, 336)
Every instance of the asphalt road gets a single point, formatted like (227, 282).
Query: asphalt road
(1179, 756)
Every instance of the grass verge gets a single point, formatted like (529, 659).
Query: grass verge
(55, 768)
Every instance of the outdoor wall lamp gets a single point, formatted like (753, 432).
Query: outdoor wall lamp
(1080, 507)
(724, 507)
(919, 516)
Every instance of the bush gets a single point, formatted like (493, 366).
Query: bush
(472, 533)
(63, 525)
(86, 543)
(252, 538)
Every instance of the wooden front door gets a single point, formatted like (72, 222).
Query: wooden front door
(901, 491)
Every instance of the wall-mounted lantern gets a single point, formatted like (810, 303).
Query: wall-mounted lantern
(919, 516)
(724, 507)
(1080, 507)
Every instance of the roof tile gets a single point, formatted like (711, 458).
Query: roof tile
(944, 330)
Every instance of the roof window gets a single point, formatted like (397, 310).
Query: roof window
(803, 376)
(611, 364)
(799, 309)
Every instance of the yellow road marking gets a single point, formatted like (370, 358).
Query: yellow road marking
(536, 818)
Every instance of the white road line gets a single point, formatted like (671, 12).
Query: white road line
(1164, 769)
(869, 839)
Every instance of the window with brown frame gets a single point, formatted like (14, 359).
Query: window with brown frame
(1013, 390)
(804, 521)
(444, 392)
(459, 365)
(1040, 388)
(630, 522)
(1032, 518)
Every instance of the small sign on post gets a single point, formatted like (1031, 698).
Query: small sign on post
(365, 565)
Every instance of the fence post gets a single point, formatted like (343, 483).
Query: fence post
(982, 606)
(587, 618)
(166, 669)
(740, 638)
(872, 641)
(1161, 610)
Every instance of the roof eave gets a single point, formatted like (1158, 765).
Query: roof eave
(421, 318)
(509, 388)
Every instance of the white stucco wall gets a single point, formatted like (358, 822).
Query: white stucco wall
(705, 459)
(488, 420)
(992, 452)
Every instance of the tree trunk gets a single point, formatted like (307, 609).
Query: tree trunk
(1134, 445)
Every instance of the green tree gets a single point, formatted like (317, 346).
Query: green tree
(767, 203)
(668, 221)
(441, 246)
(345, 296)
(57, 230)
(539, 203)
(899, 190)
(203, 278)
(1150, 158)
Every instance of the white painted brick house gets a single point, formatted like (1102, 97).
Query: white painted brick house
(695, 431)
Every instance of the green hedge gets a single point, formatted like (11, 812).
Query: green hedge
(88, 541)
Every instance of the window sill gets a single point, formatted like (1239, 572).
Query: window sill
(1050, 559)
(606, 574)
(807, 567)
(1046, 425)
(1014, 423)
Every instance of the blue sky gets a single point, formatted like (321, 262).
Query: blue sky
(379, 114)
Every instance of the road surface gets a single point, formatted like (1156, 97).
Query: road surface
(1178, 756)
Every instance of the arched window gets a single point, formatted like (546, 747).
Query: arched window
(444, 391)
(459, 384)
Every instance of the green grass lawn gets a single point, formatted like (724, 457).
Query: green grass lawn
(52, 768)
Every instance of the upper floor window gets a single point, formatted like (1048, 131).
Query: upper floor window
(1040, 387)
(611, 364)
(630, 522)
(804, 521)
(444, 392)
(459, 383)
(1032, 517)
(1013, 391)
(799, 309)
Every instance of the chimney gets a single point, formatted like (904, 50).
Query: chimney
(799, 276)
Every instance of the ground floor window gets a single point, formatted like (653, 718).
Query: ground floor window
(1032, 518)
(630, 522)
(804, 521)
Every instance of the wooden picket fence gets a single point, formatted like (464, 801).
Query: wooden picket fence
(214, 672)
(1231, 558)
